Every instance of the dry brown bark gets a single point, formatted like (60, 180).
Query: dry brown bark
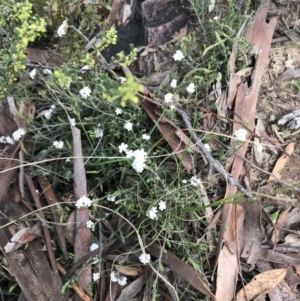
(29, 266)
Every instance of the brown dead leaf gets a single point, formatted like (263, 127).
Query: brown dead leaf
(279, 224)
(22, 237)
(129, 271)
(281, 162)
(132, 289)
(261, 284)
(181, 269)
(44, 57)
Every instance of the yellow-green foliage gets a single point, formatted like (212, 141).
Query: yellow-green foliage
(26, 29)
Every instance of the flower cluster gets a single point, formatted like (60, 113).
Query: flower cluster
(152, 213)
(84, 201)
(111, 198)
(96, 276)
(122, 280)
(49, 112)
(58, 144)
(7, 140)
(139, 162)
(128, 126)
(145, 258)
(195, 181)
(241, 134)
(85, 92)
(178, 56)
(62, 29)
(18, 134)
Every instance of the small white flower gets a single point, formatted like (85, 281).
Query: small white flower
(89, 224)
(58, 144)
(178, 56)
(18, 134)
(95, 260)
(194, 181)
(216, 18)
(113, 276)
(173, 83)
(190, 88)
(62, 30)
(122, 280)
(52, 107)
(68, 160)
(47, 71)
(162, 205)
(152, 213)
(47, 114)
(144, 258)
(207, 147)
(211, 6)
(139, 162)
(122, 79)
(83, 201)
(118, 111)
(168, 98)
(9, 140)
(98, 133)
(123, 147)
(32, 73)
(241, 134)
(172, 107)
(128, 126)
(111, 198)
(85, 92)
(94, 247)
(37, 191)
(72, 121)
(84, 69)
(184, 181)
(96, 276)
(146, 137)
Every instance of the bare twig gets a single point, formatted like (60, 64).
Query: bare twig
(211, 160)
(44, 227)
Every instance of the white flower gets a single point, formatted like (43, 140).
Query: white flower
(122, 79)
(146, 137)
(96, 276)
(168, 97)
(123, 147)
(178, 56)
(173, 83)
(241, 134)
(85, 92)
(72, 121)
(191, 88)
(89, 224)
(32, 73)
(84, 68)
(47, 71)
(58, 144)
(37, 191)
(211, 6)
(52, 107)
(216, 18)
(144, 258)
(98, 133)
(128, 126)
(129, 153)
(152, 213)
(118, 111)
(18, 134)
(48, 114)
(62, 30)
(184, 181)
(195, 181)
(111, 198)
(207, 147)
(172, 107)
(9, 140)
(162, 205)
(93, 247)
(83, 201)
(139, 162)
(113, 276)
(68, 160)
(122, 280)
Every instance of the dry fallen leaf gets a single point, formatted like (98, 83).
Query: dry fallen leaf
(261, 284)
(129, 271)
(281, 162)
